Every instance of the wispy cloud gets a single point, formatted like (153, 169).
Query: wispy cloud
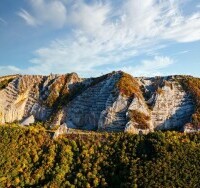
(45, 12)
(152, 67)
(3, 21)
(185, 30)
(89, 18)
(6, 70)
(30, 20)
(103, 35)
(184, 51)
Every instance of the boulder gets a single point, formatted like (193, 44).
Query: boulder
(29, 120)
(189, 128)
(131, 128)
(63, 129)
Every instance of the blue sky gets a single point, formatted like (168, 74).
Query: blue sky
(92, 37)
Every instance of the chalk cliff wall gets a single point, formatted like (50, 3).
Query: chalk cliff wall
(113, 102)
(27, 95)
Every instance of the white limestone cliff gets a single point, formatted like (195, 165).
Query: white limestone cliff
(25, 96)
(95, 103)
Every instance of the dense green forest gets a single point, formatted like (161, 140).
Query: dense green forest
(31, 158)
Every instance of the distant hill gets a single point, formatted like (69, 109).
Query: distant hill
(113, 102)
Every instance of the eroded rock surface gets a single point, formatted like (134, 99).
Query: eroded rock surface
(171, 107)
(97, 103)
(85, 110)
(32, 95)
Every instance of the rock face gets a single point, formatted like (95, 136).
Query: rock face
(140, 106)
(97, 103)
(171, 106)
(85, 110)
(32, 95)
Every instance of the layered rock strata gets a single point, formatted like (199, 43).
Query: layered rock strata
(97, 103)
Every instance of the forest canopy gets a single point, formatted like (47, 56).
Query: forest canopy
(31, 158)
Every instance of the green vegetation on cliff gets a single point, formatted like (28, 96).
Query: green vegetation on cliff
(4, 83)
(128, 86)
(30, 158)
(140, 118)
(192, 85)
(60, 93)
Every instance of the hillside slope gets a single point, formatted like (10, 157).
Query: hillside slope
(112, 102)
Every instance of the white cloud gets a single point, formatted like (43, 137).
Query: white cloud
(182, 52)
(186, 30)
(151, 67)
(102, 35)
(30, 20)
(89, 18)
(6, 70)
(141, 17)
(50, 12)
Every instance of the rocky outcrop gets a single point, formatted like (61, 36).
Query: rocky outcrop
(63, 129)
(85, 110)
(112, 102)
(114, 118)
(190, 128)
(171, 107)
(30, 95)
(28, 121)
(141, 107)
